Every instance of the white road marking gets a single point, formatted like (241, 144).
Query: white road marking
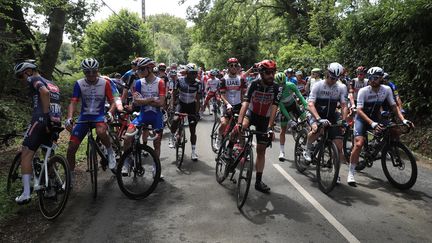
(332, 220)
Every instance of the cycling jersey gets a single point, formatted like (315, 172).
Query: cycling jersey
(213, 84)
(287, 99)
(232, 88)
(371, 101)
(301, 86)
(93, 98)
(326, 98)
(356, 85)
(386, 105)
(154, 89)
(35, 84)
(261, 97)
(187, 92)
(292, 80)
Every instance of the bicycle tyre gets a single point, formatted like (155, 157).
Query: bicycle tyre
(121, 180)
(221, 164)
(63, 188)
(244, 177)
(93, 167)
(299, 147)
(180, 146)
(348, 138)
(386, 166)
(14, 181)
(332, 165)
(214, 135)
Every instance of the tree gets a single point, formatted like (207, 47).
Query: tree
(114, 42)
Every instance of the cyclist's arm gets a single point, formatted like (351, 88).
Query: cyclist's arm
(351, 94)
(299, 95)
(343, 103)
(222, 92)
(161, 101)
(360, 101)
(311, 102)
(45, 99)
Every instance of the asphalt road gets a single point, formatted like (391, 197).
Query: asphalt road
(190, 206)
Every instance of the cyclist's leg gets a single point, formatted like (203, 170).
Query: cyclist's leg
(283, 126)
(78, 133)
(360, 129)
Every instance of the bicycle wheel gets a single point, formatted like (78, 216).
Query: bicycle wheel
(144, 172)
(399, 165)
(93, 166)
(299, 147)
(14, 185)
(245, 177)
(348, 143)
(53, 198)
(328, 167)
(180, 146)
(214, 135)
(221, 162)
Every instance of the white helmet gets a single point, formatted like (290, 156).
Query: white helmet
(191, 67)
(375, 71)
(23, 66)
(335, 69)
(144, 62)
(89, 64)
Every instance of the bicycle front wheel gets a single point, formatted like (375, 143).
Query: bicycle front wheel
(14, 185)
(92, 164)
(214, 135)
(53, 198)
(180, 146)
(399, 165)
(327, 167)
(299, 147)
(222, 162)
(245, 177)
(143, 172)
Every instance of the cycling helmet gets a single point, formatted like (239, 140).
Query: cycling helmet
(289, 70)
(375, 71)
(173, 72)
(316, 70)
(267, 65)
(146, 62)
(23, 66)
(89, 64)
(386, 76)
(162, 66)
(335, 69)
(299, 72)
(232, 60)
(214, 72)
(191, 67)
(361, 69)
(280, 78)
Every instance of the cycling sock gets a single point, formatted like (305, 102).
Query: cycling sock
(258, 177)
(26, 184)
(352, 167)
(309, 146)
(193, 147)
(110, 150)
(282, 147)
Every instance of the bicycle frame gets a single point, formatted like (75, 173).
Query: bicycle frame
(44, 170)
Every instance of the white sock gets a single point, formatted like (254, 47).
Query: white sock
(26, 184)
(110, 150)
(282, 148)
(352, 168)
(193, 148)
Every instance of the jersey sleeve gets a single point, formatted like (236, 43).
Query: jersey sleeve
(114, 89)
(361, 97)
(223, 85)
(249, 92)
(314, 93)
(343, 94)
(295, 90)
(37, 83)
(389, 96)
(76, 95)
(108, 92)
(277, 94)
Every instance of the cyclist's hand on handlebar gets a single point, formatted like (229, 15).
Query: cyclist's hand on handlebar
(271, 134)
(237, 128)
(325, 122)
(343, 123)
(377, 126)
(69, 124)
(408, 123)
(110, 116)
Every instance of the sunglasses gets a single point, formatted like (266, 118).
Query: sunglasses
(269, 71)
(233, 65)
(161, 69)
(331, 77)
(19, 75)
(374, 77)
(141, 70)
(90, 72)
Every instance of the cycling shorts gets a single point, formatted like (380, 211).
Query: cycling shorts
(190, 109)
(361, 127)
(36, 135)
(261, 125)
(80, 130)
(334, 132)
(295, 109)
(149, 118)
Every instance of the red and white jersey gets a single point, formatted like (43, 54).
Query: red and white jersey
(213, 84)
(233, 87)
(154, 89)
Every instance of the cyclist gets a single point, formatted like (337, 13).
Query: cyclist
(288, 104)
(301, 83)
(129, 78)
(187, 90)
(149, 95)
(355, 85)
(259, 109)
(46, 113)
(291, 76)
(322, 103)
(386, 81)
(232, 88)
(311, 80)
(212, 88)
(370, 100)
(93, 90)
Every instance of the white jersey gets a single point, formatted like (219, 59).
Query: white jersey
(357, 84)
(371, 101)
(213, 84)
(326, 98)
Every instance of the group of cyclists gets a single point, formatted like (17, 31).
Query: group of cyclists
(254, 97)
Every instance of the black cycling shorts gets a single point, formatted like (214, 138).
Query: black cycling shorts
(189, 109)
(261, 125)
(36, 135)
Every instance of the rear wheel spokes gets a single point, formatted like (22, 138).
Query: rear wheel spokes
(299, 147)
(180, 146)
(244, 178)
(144, 172)
(53, 198)
(214, 136)
(222, 162)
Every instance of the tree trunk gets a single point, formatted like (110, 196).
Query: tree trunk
(57, 20)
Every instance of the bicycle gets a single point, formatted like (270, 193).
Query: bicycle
(243, 158)
(181, 140)
(140, 159)
(93, 149)
(214, 135)
(393, 154)
(325, 157)
(51, 179)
